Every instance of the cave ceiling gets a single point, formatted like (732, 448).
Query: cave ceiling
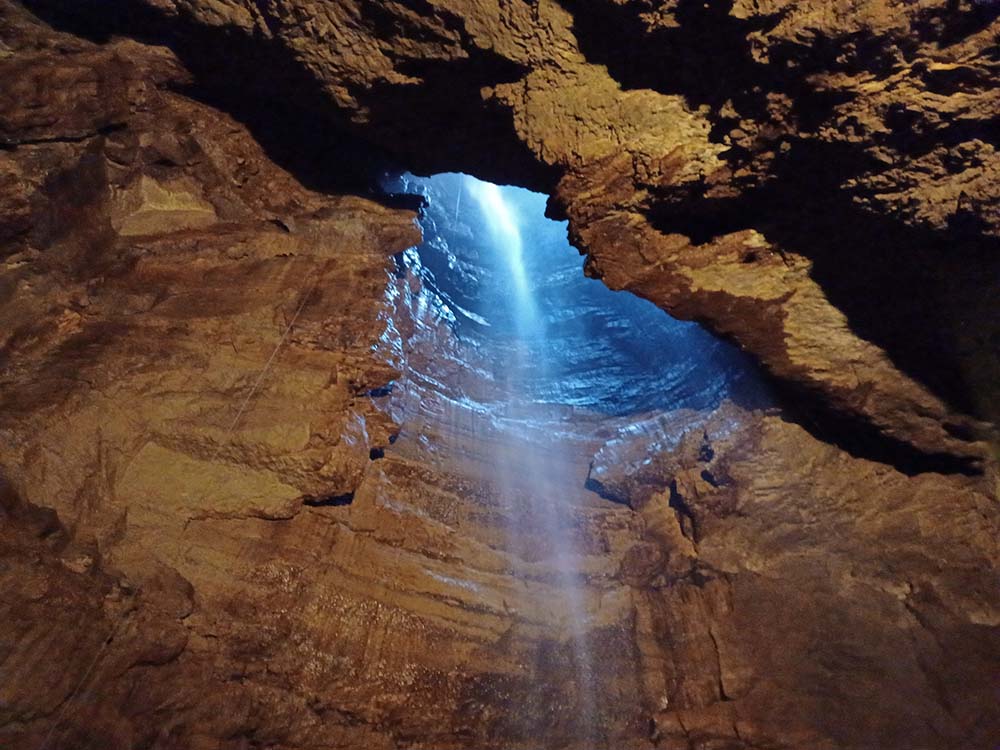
(225, 522)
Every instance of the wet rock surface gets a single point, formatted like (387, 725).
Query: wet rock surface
(776, 546)
(848, 151)
(248, 495)
(587, 347)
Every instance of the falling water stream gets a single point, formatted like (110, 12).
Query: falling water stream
(524, 460)
(547, 358)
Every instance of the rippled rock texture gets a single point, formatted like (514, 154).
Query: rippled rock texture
(816, 181)
(587, 347)
(243, 506)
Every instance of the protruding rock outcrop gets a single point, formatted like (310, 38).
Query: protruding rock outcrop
(223, 519)
(854, 143)
(766, 546)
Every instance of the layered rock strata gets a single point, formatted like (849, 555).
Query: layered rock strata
(818, 182)
(223, 527)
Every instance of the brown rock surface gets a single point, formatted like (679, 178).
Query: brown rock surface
(211, 535)
(797, 560)
(857, 141)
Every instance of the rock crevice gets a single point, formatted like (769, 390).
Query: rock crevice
(226, 520)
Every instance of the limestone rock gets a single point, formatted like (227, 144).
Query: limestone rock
(147, 207)
(776, 532)
(224, 517)
(854, 141)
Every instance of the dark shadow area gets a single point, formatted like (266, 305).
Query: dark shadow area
(444, 121)
(919, 294)
(685, 516)
(34, 522)
(865, 441)
(381, 391)
(599, 489)
(277, 100)
(439, 125)
(706, 54)
(706, 57)
(329, 501)
(911, 291)
(954, 20)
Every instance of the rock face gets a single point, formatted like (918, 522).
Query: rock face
(745, 155)
(783, 552)
(234, 516)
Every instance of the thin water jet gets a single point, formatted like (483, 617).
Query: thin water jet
(555, 362)
(532, 353)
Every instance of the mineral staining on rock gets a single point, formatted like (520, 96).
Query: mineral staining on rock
(844, 136)
(220, 527)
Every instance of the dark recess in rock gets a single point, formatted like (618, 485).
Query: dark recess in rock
(329, 501)
(821, 573)
(298, 127)
(908, 308)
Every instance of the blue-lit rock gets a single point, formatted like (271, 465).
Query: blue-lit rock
(238, 513)
(603, 351)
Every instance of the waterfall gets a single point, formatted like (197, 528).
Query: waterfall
(542, 471)
(505, 236)
(518, 370)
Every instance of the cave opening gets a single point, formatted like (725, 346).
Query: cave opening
(509, 285)
(518, 370)
(278, 473)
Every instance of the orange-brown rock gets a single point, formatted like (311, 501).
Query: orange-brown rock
(232, 515)
(856, 142)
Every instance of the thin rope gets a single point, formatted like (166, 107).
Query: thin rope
(229, 431)
(267, 365)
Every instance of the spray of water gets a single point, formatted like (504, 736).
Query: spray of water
(550, 354)
(538, 473)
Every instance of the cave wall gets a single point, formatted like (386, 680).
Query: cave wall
(219, 530)
(729, 161)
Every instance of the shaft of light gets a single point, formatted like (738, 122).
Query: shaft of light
(548, 468)
(505, 233)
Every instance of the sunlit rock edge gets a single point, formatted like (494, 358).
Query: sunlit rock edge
(181, 571)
